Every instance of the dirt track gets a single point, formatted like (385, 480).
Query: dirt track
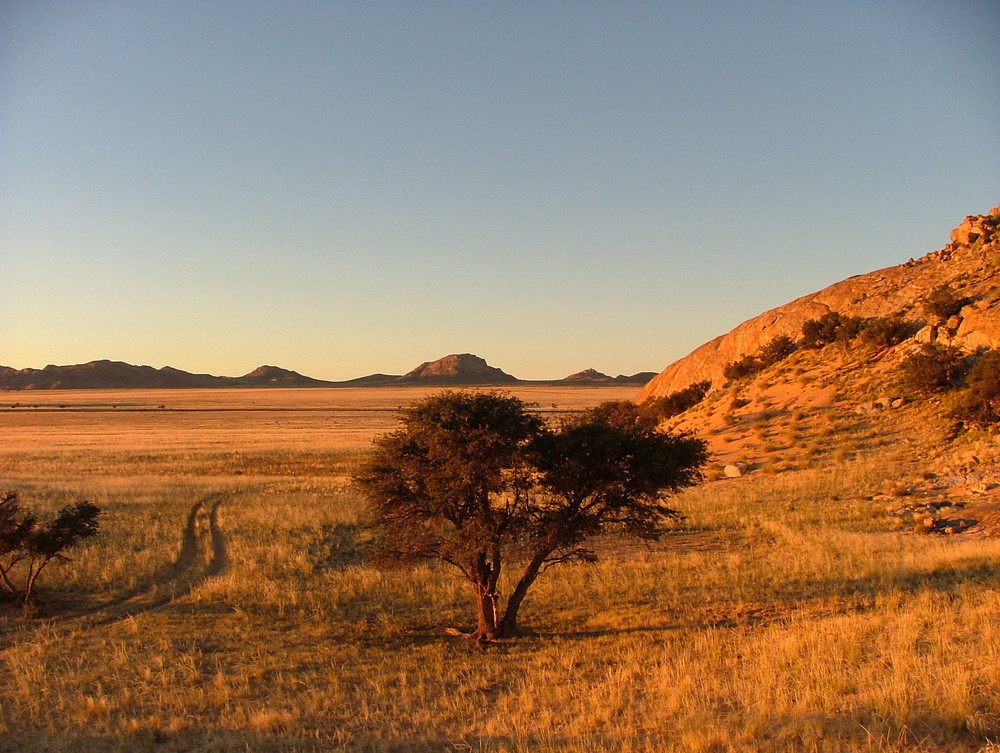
(179, 578)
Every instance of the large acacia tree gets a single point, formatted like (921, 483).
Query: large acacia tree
(476, 480)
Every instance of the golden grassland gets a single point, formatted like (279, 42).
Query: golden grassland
(226, 605)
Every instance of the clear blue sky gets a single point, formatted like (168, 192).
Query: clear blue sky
(342, 188)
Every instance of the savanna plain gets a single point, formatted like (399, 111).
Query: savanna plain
(227, 605)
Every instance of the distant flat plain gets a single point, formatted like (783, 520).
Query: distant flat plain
(344, 418)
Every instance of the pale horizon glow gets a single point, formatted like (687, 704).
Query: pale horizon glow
(349, 188)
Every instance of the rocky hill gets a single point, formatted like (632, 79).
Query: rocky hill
(592, 376)
(970, 264)
(457, 369)
(275, 376)
(849, 398)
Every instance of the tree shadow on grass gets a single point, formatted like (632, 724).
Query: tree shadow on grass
(815, 599)
(341, 545)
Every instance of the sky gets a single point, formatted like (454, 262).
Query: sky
(345, 188)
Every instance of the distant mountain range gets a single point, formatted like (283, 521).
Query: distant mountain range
(452, 370)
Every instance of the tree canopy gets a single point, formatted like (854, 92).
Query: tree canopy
(476, 480)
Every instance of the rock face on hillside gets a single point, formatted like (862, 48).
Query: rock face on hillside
(464, 369)
(970, 264)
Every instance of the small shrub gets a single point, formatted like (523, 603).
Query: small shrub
(777, 349)
(984, 376)
(841, 455)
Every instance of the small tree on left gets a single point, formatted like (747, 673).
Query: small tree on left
(27, 546)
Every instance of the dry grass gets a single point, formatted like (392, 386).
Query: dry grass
(784, 614)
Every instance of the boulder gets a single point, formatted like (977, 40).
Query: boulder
(735, 470)
(926, 335)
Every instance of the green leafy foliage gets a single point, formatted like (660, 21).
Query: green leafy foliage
(984, 376)
(778, 349)
(742, 368)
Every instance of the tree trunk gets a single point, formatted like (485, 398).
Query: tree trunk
(486, 614)
(10, 587)
(508, 626)
(487, 596)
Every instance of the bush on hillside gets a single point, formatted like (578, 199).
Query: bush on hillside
(831, 327)
(984, 376)
(931, 369)
(971, 410)
(943, 302)
(980, 403)
(778, 349)
(677, 402)
(743, 368)
(775, 350)
(885, 331)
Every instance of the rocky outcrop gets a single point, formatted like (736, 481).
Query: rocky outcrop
(977, 227)
(970, 264)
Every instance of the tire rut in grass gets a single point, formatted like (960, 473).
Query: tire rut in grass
(189, 546)
(219, 556)
(177, 579)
